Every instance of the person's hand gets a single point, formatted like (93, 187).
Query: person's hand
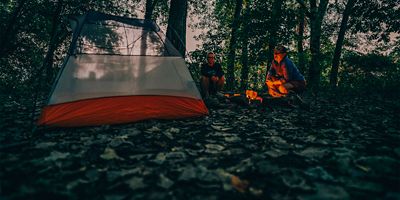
(214, 78)
(279, 82)
(269, 82)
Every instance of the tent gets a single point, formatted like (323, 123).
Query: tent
(120, 70)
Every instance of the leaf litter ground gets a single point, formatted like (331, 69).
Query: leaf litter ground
(341, 148)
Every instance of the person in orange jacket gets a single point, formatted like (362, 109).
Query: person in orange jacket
(283, 76)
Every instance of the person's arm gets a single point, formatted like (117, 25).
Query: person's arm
(271, 74)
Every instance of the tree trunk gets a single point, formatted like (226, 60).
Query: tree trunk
(230, 81)
(245, 51)
(245, 63)
(339, 43)
(300, 40)
(273, 30)
(150, 5)
(176, 31)
(53, 43)
(9, 30)
(317, 15)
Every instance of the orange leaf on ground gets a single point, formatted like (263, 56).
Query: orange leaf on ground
(238, 184)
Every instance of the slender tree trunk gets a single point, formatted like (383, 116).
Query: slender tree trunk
(300, 40)
(49, 58)
(9, 30)
(339, 43)
(317, 15)
(150, 5)
(176, 31)
(273, 30)
(244, 78)
(232, 46)
(245, 63)
(54, 42)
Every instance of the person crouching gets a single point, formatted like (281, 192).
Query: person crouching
(212, 76)
(283, 76)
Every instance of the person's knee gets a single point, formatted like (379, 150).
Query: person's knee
(204, 83)
(221, 81)
(204, 78)
(274, 93)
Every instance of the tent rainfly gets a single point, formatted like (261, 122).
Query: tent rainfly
(120, 70)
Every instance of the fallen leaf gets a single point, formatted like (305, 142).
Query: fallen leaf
(238, 184)
(220, 128)
(365, 169)
(153, 129)
(174, 130)
(55, 155)
(136, 183)
(165, 182)
(110, 154)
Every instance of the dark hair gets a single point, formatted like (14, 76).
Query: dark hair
(210, 53)
(281, 49)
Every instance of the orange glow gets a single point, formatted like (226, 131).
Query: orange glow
(250, 94)
(253, 95)
(231, 95)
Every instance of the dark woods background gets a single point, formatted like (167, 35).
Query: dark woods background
(351, 45)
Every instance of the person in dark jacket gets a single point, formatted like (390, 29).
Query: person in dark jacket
(283, 76)
(212, 76)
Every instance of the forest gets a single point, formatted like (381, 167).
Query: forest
(343, 144)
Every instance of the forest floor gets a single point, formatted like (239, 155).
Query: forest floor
(342, 147)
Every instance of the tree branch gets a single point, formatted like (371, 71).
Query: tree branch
(306, 10)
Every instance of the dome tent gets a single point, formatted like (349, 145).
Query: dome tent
(120, 70)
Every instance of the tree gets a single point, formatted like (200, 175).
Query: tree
(300, 39)
(339, 42)
(369, 23)
(245, 47)
(54, 42)
(275, 21)
(9, 30)
(316, 15)
(150, 5)
(232, 46)
(37, 39)
(176, 30)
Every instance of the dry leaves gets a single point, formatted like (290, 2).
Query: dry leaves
(238, 184)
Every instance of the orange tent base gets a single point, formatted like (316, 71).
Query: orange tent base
(117, 110)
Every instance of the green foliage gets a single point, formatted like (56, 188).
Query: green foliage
(377, 19)
(371, 72)
(27, 38)
(38, 25)
(256, 15)
(327, 50)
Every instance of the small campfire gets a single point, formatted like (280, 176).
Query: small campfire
(249, 97)
(253, 96)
